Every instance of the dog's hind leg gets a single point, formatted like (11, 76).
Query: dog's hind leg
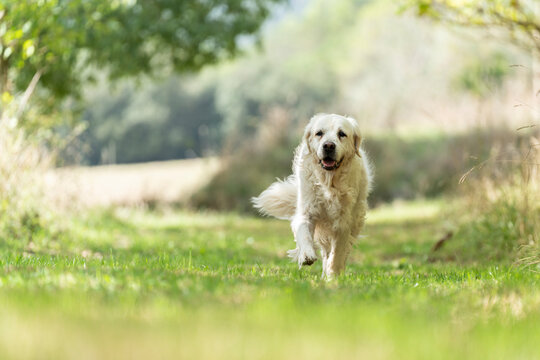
(337, 258)
(324, 258)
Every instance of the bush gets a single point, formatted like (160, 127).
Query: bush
(500, 233)
(24, 212)
(405, 168)
(249, 169)
(503, 209)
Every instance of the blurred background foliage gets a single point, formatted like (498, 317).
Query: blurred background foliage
(52, 51)
(107, 82)
(64, 45)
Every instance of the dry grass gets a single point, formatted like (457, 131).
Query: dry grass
(23, 209)
(20, 164)
(133, 184)
(502, 199)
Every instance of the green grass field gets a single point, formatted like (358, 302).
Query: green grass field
(136, 284)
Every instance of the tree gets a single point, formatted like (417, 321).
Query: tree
(53, 43)
(521, 18)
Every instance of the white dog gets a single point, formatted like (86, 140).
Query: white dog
(326, 196)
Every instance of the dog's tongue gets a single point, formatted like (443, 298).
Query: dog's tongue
(329, 163)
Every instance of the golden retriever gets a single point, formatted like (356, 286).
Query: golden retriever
(326, 196)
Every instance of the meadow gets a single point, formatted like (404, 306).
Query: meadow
(134, 133)
(167, 283)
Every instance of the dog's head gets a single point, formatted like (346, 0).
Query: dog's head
(332, 139)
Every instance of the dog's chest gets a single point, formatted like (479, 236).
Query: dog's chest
(333, 202)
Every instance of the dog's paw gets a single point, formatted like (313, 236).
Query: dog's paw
(302, 257)
(309, 261)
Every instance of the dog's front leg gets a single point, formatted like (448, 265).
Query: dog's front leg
(302, 223)
(304, 253)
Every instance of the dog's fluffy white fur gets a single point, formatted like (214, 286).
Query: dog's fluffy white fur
(325, 200)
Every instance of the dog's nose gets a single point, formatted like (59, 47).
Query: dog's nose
(329, 146)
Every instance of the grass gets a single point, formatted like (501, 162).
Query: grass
(131, 283)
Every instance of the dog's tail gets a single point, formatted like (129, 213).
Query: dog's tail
(279, 200)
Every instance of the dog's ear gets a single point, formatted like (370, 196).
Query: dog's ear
(307, 135)
(357, 136)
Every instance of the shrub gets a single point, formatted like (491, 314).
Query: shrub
(502, 199)
(24, 212)
(499, 233)
(249, 169)
(405, 168)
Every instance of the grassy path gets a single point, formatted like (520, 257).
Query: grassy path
(134, 284)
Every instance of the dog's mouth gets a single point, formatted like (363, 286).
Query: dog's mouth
(329, 164)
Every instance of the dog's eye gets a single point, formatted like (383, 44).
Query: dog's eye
(319, 133)
(341, 134)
